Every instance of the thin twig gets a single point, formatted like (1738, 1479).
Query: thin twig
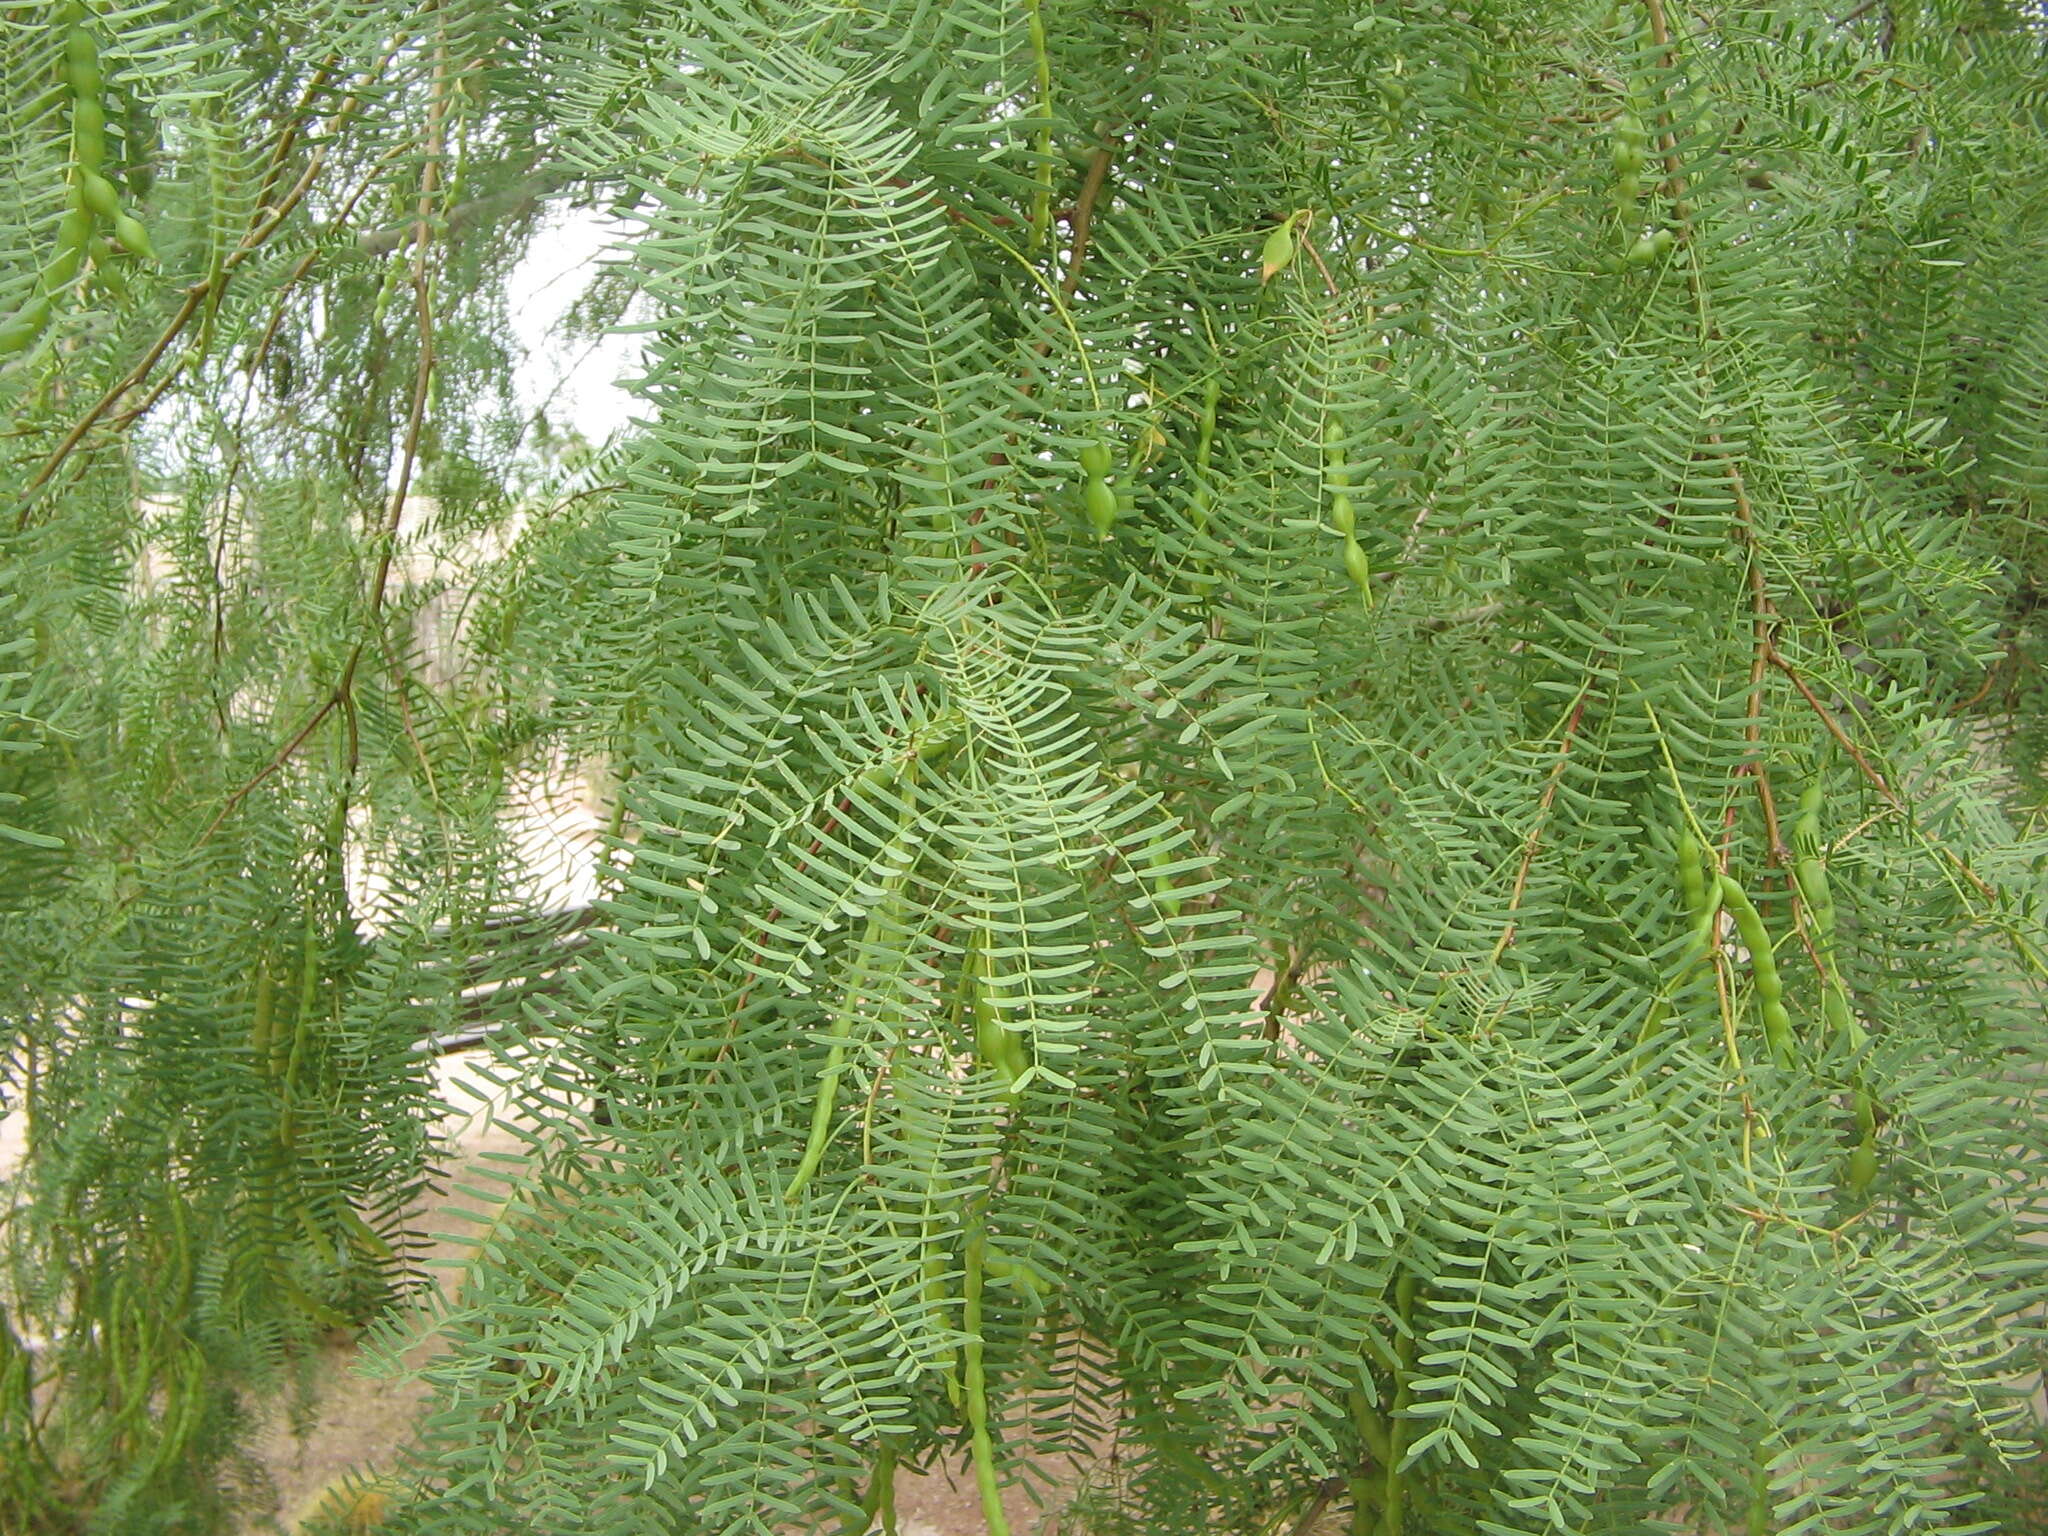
(423, 373)
(1084, 216)
(278, 760)
(1764, 617)
(342, 694)
(1834, 728)
(1535, 838)
(1667, 140)
(1308, 244)
(1325, 1492)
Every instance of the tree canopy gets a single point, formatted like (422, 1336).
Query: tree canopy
(1322, 732)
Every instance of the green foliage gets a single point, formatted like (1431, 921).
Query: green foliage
(1186, 574)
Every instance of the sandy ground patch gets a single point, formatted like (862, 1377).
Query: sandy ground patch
(360, 1422)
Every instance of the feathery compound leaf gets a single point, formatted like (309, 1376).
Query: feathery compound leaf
(1293, 775)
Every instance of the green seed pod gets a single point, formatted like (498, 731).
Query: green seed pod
(1335, 470)
(1862, 1170)
(988, 1036)
(1095, 460)
(1642, 252)
(1811, 876)
(1759, 1521)
(74, 230)
(133, 237)
(1357, 566)
(98, 195)
(1840, 1018)
(1778, 1033)
(1692, 880)
(1012, 1059)
(88, 132)
(1100, 502)
(82, 62)
(1609, 263)
(1343, 516)
(1703, 929)
(105, 270)
(19, 331)
(1277, 255)
(1628, 187)
(1763, 965)
(1663, 242)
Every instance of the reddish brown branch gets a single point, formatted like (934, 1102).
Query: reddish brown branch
(278, 759)
(1834, 728)
(1764, 617)
(1084, 216)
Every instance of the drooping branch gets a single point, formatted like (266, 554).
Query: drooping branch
(515, 201)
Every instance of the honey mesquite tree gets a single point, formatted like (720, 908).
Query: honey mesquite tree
(1322, 728)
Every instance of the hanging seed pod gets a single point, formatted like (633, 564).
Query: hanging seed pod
(1806, 826)
(1358, 568)
(1763, 967)
(1704, 925)
(82, 63)
(1758, 1521)
(74, 232)
(1839, 1018)
(1692, 880)
(1094, 459)
(1861, 1169)
(1811, 876)
(88, 132)
(1335, 470)
(1101, 505)
(1778, 1032)
(96, 194)
(1277, 255)
(133, 237)
(19, 331)
(1343, 516)
(1631, 145)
